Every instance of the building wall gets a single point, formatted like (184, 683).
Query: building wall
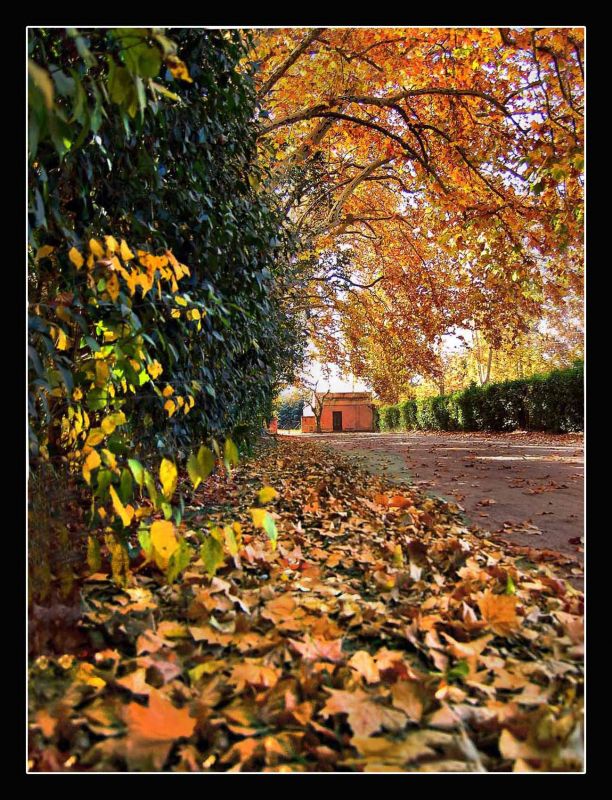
(355, 417)
(309, 424)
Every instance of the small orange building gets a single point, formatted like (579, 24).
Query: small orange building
(342, 411)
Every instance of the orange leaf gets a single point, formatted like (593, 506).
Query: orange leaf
(153, 729)
(363, 663)
(499, 610)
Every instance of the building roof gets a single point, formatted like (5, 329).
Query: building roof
(345, 396)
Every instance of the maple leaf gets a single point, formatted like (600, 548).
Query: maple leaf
(279, 609)
(363, 663)
(499, 611)
(254, 674)
(153, 729)
(410, 698)
(319, 649)
(364, 714)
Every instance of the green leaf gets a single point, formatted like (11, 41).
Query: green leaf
(144, 537)
(193, 470)
(151, 488)
(137, 471)
(270, 528)
(179, 560)
(460, 670)
(211, 553)
(230, 454)
(126, 486)
(105, 477)
(510, 586)
(206, 462)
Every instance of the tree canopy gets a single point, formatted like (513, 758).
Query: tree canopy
(440, 169)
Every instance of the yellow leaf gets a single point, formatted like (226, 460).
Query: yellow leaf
(62, 313)
(178, 69)
(44, 251)
(102, 373)
(112, 245)
(41, 79)
(85, 673)
(164, 541)
(112, 287)
(155, 369)
(109, 459)
(96, 248)
(168, 476)
(170, 407)
(91, 462)
(126, 513)
(96, 435)
(144, 511)
(94, 561)
(126, 253)
(168, 391)
(258, 515)
(109, 423)
(266, 495)
(61, 340)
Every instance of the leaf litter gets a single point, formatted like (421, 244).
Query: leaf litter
(376, 634)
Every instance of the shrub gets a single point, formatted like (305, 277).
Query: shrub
(375, 419)
(552, 402)
(389, 418)
(408, 414)
(289, 414)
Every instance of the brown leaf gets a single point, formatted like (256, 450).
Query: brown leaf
(363, 663)
(319, 649)
(410, 698)
(365, 715)
(254, 674)
(414, 746)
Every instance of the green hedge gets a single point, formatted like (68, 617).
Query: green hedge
(551, 402)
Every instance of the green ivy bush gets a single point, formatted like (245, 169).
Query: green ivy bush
(125, 142)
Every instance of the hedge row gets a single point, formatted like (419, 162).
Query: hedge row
(551, 402)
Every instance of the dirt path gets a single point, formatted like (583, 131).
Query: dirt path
(528, 487)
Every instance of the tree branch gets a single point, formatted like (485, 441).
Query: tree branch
(289, 61)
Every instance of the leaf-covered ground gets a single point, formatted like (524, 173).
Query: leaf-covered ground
(380, 635)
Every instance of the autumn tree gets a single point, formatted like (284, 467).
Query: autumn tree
(434, 176)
